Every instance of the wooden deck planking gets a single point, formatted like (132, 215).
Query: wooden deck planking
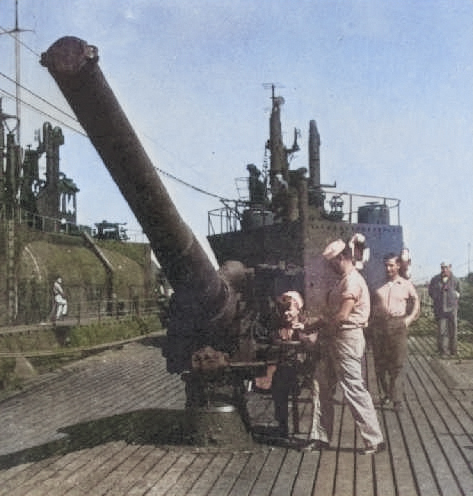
(210, 475)
(66, 478)
(378, 469)
(447, 424)
(365, 480)
(81, 482)
(273, 464)
(119, 481)
(248, 475)
(429, 445)
(108, 472)
(225, 483)
(189, 477)
(157, 470)
(426, 419)
(326, 475)
(345, 471)
(51, 475)
(308, 469)
(416, 454)
(21, 475)
(172, 475)
(401, 468)
(135, 481)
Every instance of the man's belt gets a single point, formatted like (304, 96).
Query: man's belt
(346, 326)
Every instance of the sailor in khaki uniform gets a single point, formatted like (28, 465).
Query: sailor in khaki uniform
(348, 309)
(396, 305)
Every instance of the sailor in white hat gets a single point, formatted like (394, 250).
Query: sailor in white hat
(334, 249)
(348, 309)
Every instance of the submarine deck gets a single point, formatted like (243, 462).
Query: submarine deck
(93, 428)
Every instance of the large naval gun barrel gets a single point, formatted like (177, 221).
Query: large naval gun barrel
(204, 299)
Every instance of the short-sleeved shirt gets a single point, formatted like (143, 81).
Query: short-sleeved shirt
(351, 286)
(392, 298)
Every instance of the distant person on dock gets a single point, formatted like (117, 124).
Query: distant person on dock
(444, 289)
(342, 347)
(395, 306)
(59, 310)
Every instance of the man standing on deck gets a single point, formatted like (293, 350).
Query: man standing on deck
(444, 289)
(342, 345)
(396, 306)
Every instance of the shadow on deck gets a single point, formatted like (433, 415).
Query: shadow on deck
(115, 424)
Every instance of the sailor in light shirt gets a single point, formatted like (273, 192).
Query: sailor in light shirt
(395, 306)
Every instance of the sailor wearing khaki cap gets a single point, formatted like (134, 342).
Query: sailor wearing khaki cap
(348, 309)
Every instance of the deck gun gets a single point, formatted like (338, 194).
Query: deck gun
(205, 326)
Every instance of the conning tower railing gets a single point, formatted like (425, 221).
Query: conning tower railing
(352, 208)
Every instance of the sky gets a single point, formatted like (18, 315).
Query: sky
(389, 83)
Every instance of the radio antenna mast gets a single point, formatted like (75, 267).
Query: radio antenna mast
(15, 33)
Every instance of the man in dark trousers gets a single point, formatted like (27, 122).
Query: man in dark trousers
(444, 289)
(395, 306)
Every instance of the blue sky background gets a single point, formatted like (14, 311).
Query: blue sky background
(389, 82)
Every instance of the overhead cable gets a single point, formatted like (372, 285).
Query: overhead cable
(193, 187)
(69, 116)
(11, 33)
(36, 109)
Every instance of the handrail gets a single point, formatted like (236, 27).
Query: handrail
(226, 219)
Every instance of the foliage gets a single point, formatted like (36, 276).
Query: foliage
(465, 311)
(424, 326)
(111, 330)
(135, 251)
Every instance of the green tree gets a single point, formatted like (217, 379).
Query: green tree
(465, 311)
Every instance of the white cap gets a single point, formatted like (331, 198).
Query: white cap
(296, 297)
(334, 249)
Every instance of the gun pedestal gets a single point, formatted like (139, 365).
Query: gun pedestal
(216, 408)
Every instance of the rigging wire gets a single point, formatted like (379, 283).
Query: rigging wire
(36, 109)
(69, 116)
(10, 33)
(200, 190)
(82, 133)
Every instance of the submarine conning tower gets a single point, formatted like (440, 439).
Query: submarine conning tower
(284, 233)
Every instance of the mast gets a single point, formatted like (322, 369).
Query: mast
(15, 33)
(17, 75)
(9, 176)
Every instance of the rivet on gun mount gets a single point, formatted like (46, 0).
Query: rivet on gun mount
(69, 55)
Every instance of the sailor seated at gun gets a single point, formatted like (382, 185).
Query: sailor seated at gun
(292, 341)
